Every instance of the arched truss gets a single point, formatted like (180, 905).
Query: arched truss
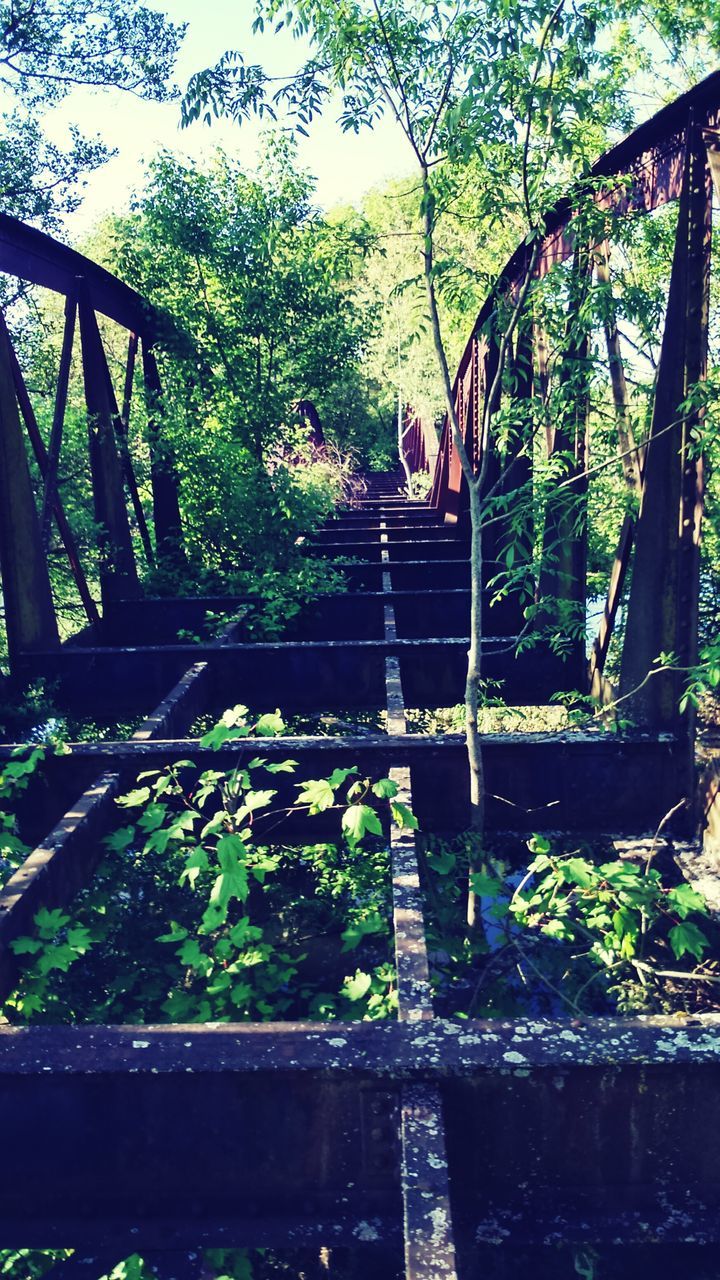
(673, 156)
(89, 290)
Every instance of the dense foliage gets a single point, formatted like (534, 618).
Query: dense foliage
(47, 47)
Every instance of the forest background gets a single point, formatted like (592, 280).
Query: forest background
(275, 300)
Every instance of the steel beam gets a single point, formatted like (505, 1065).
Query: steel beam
(663, 602)
(118, 572)
(27, 598)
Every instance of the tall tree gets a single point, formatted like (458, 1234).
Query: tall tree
(526, 85)
(50, 47)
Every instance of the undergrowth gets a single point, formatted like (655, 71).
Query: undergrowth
(573, 931)
(193, 916)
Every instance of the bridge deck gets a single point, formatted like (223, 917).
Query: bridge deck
(424, 1134)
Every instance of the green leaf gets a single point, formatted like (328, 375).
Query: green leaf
(486, 886)
(442, 862)
(385, 788)
(120, 840)
(354, 934)
(235, 717)
(191, 955)
(403, 816)
(152, 817)
(357, 987)
(686, 938)
(359, 819)
(177, 933)
(578, 871)
(182, 824)
(317, 794)
(135, 798)
(196, 862)
(49, 923)
(231, 884)
(239, 933)
(270, 725)
(57, 957)
(338, 776)
(262, 866)
(625, 922)
(281, 766)
(558, 929)
(26, 946)
(216, 737)
(79, 938)
(256, 800)
(685, 899)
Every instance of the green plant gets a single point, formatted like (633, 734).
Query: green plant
(704, 678)
(246, 921)
(14, 779)
(571, 933)
(619, 920)
(29, 1264)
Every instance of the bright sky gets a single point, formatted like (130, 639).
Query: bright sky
(345, 165)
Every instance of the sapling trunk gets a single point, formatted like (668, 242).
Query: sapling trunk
(472, 697)
(474, 667)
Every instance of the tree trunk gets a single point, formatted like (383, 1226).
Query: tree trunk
(474, 668)
(472, 696)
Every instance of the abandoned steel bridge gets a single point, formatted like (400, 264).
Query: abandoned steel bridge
(418, 1134)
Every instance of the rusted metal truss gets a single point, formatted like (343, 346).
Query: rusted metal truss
(674, 156)
(418, 1137)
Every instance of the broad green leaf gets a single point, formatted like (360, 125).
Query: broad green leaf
(687, 939)
(486, 886)
(49, 923)
(357, 987)
(152, 817)
(270, 725)
(578, 871)
(256, 800)
(177, 933)
(235, 717)
(120, 840)
(338, 776)
(135, 798)
(403, 816)
(26, 946)
(443, 862)
(359, 819)
(385, 788)
(317, 794)
(684, 899)
(282, 766)
(196, 862)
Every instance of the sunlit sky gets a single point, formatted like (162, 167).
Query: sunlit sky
(344, 165)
